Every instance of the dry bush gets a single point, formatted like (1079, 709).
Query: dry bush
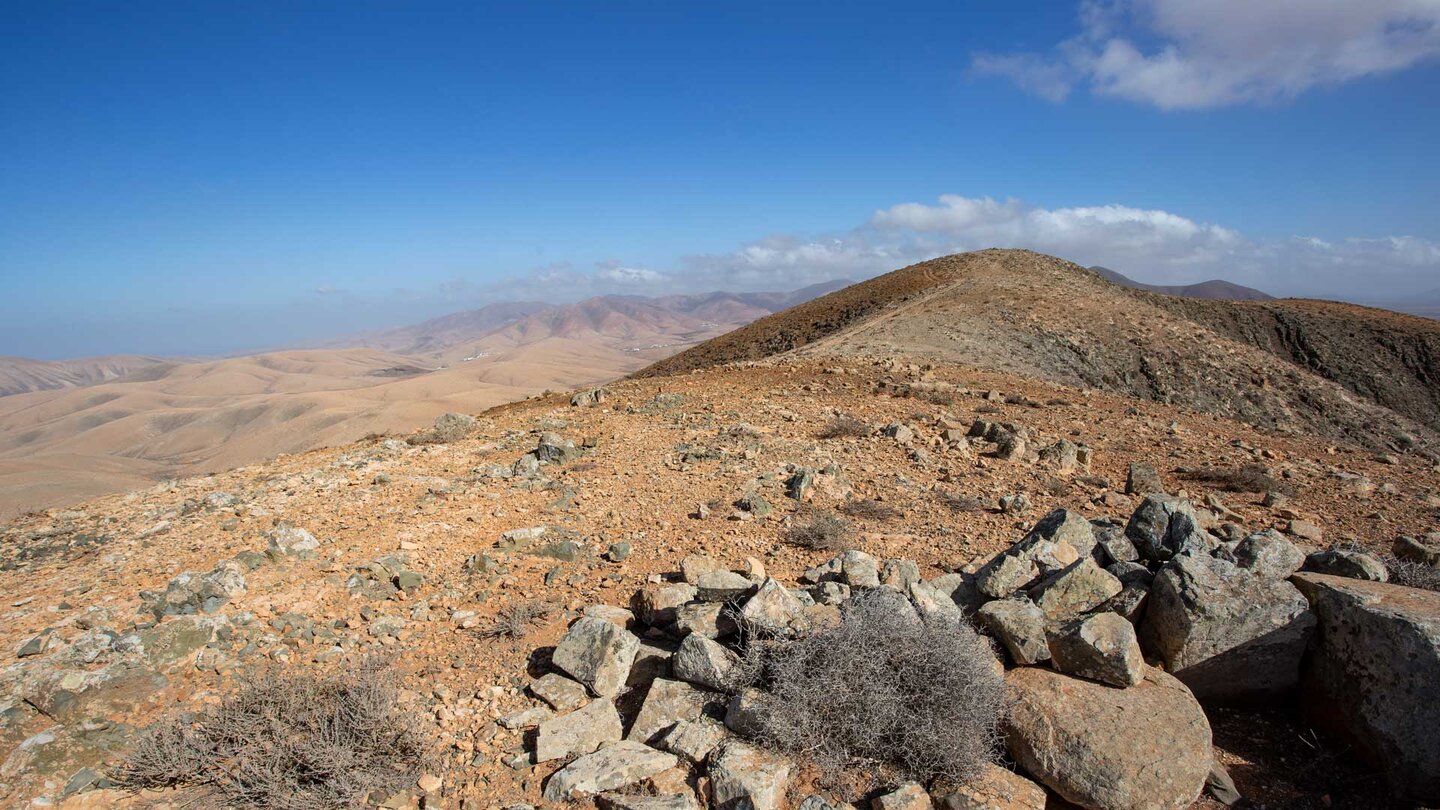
(869, 509)
(959, 503)
(1245, 478)
(295, 741)
(448, 427)
(843, 427)
(818, 529)
(1412, 574)
(882, 688)
(517, 620)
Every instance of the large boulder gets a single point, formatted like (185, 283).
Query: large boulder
(1102, 748)
(1373, 678)
(1346, 563)
(1228, 633)
(1163, 526)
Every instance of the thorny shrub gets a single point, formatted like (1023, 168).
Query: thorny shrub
(296, 741)
(818, 529)
(881, 687)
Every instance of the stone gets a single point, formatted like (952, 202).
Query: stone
(1425, 552)
(1229, 634)
(1162, 526)
(745, 777)
(723, 586)
(580, 732)
(1143, 748)
(1102, 647)
(285, 539)
(1081, 587)
(1220, 787)
(652, 661)
(899, 574)
(859, 570)
(1373, 677)
(693, 740)
(617, 552)
(37, 644)
(1142, 479)
(640, 801)
(745, 713)
(1305, 530)
(615, 615)
(597, 654)
(1344, 563)
(559, 691)
(909, 796)
(708, 619)
(773, 608)
(1130, 602)
(1005, 575)
(931, 603)
(526, 718)
(1269, 555)
(704, 662)
(1111, 541)
(995, 788)
(1020, 626)
(617, 765)
(961, 589)
(588, 398)
(667, 703)
(696, 564)
(657, 604)
(1061, 526)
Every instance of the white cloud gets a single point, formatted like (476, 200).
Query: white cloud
(628, 275)
(1212, 53)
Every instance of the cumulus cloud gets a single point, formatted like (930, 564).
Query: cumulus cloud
(619, 274)
(1194, 54)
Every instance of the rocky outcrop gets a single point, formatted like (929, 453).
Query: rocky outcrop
(1102, 748)
(1373, 678)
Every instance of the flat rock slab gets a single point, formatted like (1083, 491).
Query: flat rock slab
(667, 703)
(613, 767)
(1143, 748)
(579, 732)
(1374, 676)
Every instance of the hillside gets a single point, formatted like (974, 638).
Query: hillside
(1335, 370)
(1214, 289)
(19, 375)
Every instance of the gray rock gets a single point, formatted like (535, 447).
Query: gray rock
(1061, 526)
(744, 777)
(1130, 602)
(723, 586)
(614, 766)
(1163, 526)
(559, 691)
(859, 570)
(708, 619)
(657, 604)
(745, 713)
(1344, 563)
(1101, 647)
(1269, 555)
(579, 732)
(1373, 678)
(830, 593)
(1226, 632)
(693, 740)
(1142, 479)
(1220, 787)
(1045, 550)
(961, 589)
(931, 603)
(1077, 589)
(696, 564)
(909, 796)
(285, 539)
(652, 661)
(641, 801)
(1006, 574)
(1424, 552)
(1143, 748)
(667, 703)
(773, 608)
(1020, 626)
(598, 654)
(704, 662)
(1128, 572)
(1115, 546)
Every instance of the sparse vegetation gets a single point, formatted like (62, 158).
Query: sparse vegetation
(818, 529)
(882, 688)
(869, 509)
(295, 741)
(842, 427)
(517, 620)
(1412, 574)
(959, 503)
(1245, 478)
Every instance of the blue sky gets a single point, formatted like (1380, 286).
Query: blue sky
(210, 177)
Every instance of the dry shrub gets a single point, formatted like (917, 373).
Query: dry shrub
(843, 427)
(1412, 574)
(959, 503)
(448, 427)
(883, 688)
(869, 509)
(517, 620)
(818, 529)
(296, 741)
(1245, 478)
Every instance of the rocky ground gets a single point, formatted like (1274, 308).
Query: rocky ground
(411, 551)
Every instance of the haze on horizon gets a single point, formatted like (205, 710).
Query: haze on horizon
(208, 178)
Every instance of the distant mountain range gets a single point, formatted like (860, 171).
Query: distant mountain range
(1215, 289)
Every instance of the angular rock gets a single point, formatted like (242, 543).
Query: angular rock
(651, 661)
(1005, 575)
(1269, 555)
(1344, 563)
(1101, 647)
(1020, 626)
(580, 732)
(909, 796)
(693, 740)
(559, 691)
(708, 619)
(1110, 539)
(1077, 589)
(704, 662)
(597, 654)
(723, 586)
(614, 766)
(1373, 678)
(961, 589)
(899, 574)
(640, 801)
(656, 604)
(1057, 527)
(773, 608)
(744, 777)
(1226, 632)
(1143, 748)
(1142, 479)
(931, 603)
(995, 788)
(859, 570)
(1163, 526)
(286, 539)
(667, 703)
(1130, 602)
(696, 564)
(1424, 552)
(745, 713)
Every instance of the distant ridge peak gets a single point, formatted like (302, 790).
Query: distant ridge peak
(1215, 289)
